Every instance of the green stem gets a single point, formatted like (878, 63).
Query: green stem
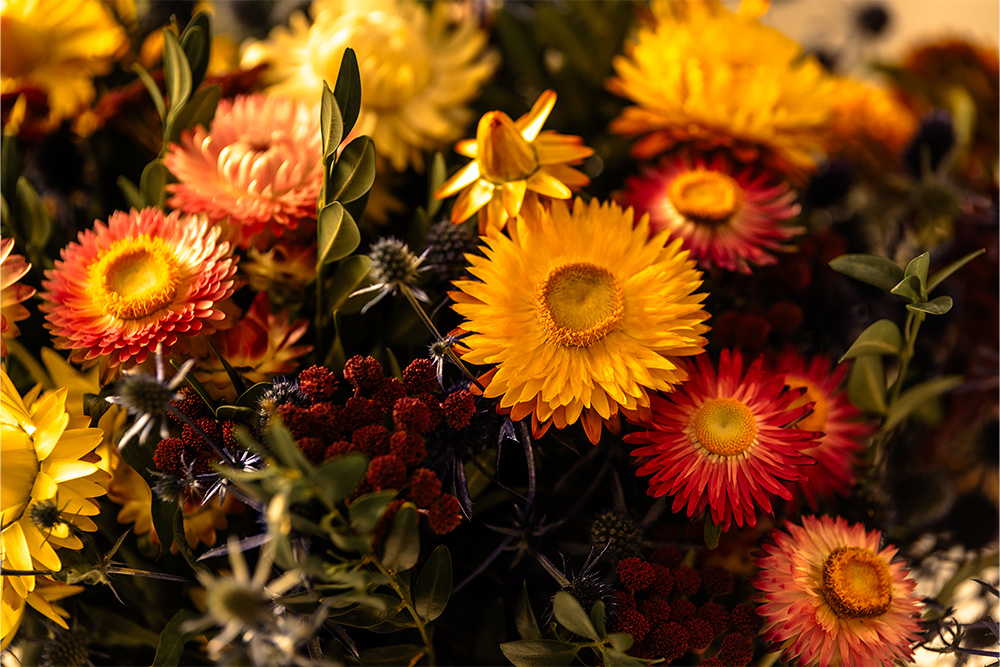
(769, 658)
(404, 597)
(320, 319)
(437, 334)
(911, 328)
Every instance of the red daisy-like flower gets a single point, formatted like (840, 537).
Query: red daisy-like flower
(722, 441)
(260, 166)
(843, 428)
(729, 216)
(142, 280)
(832, 596)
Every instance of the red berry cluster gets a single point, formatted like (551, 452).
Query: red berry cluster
(385, 419)
(189, 454)
(657, 608)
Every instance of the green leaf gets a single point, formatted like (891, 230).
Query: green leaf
(130, 192)
(401, 654)
(908, 288)
(199, 110)
(338, 234)
(347, 90)
(402, 545)
(435, 177)
(251, 397)
(615, 658)
(173, 638)
(597, 618)
(349, 275)
(919, 266)
(712, 533)
(196, 42)
(866, 383)
(571, 616)
(936, 306)
(337, 478)
(524, 617)
(433, 589)
(236, 414)
(915, 396)
(878, 271)
(353, 173)
(176, 74)
(621, 641)
(10, 165)
(151, 88)
(235, 379)
(37, 225)
(881, 337)
(331, 125)
(539, 652)
(284, 447)
(368, 509)
(152, 184)
(941, 275)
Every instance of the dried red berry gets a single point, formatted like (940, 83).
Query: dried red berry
(459, 409)
(424, 487)
(736, 650)
(636, 574)
(372, 440)
(444, 514)
(363, 373)
(318, 383)
(408, 447)
(386, 472)
(411, 414)
(420, 377)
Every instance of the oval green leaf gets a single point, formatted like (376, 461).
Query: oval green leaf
(908, 288)
(941, 275)
(539, 652)
(866, 383)
(914, 397)
(919, 266)
(347, 90)
(572, 616)
(881, 337)
(331, 124)
(338, 234)
(433, 588)
(353, 173)
(936, 306)
(402, 546)
(878, 271)
(176, 74)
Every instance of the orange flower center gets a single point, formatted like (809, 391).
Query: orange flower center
(503, 154)
(135, 277)
(705, 196)
(856, 583)
(813, 394)
(579, 304)
(724, 426)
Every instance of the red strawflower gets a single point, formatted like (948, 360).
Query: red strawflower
(636, 574)
(363, 373)
(408, 447)
(459, 408)
(424, 487)
(444, 514)
(720, 442)
(386, 472)
(420, 377)
(411, 414)
(318, 383)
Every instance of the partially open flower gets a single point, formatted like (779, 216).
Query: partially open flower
(12, 269)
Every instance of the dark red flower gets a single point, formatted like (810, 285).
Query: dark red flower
(636, 574)
(700, 632)
(408, 447)
(736, 650)
(372, 440)
(318, 383)
(459, 409)
(411, 414)
(420, 377)
(363, 373)
(444, 514)
(424, 487)
(632, 623)
(386, 472)
(716, 580)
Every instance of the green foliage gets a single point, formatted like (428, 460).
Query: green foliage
(172, 640)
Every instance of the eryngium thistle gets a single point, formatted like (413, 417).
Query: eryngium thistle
(447, 245)
(393, 263)
(67, 649)
(622, 535)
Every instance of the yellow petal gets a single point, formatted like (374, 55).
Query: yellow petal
(459, 180)
(471, 200)
(513, 194)
(546, 184)
(531, 123)
(503, 154)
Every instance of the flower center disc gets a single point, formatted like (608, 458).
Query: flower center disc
(724, 426)
(856, 583)
(579, 304)
(821, 409)
(705, 195)
(135, 277)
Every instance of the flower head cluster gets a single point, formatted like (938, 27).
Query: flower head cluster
(513, 160)
(384, 418)
(259, 168)
(419, 68)
(703, 76)
(140, 281)
(12, 295)
(725, 441)
(583, 313)
(835, 596)
(729, 216)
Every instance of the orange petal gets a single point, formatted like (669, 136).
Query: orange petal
(531, 123)
(504, 155)
(546, 184)
(471, 200)
(459, 180)
(513, 195)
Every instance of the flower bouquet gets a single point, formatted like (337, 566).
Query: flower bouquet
(387, 332)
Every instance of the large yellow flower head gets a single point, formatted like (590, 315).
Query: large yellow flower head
(47, 495)
(513, 160)
(582, 314)
(870, 126)
(57, 47)
(418, 68)
(716, 79)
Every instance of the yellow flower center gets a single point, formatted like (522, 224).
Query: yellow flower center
(856, 583)
(579, 304)
(502, 153)
(705, 196)
(821, 408)
(22, 49)
(393, 59)
(135, 277)
(724, 426)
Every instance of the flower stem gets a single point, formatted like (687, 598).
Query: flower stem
(404, 597)
(910, 329)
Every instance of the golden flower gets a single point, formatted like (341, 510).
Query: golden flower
(284, 269)
(582, 313)
(717, 79)
(12, 269)
(142, 280)
(419, 68)
(47, 591)
(57, 47)
(47, 494)
(870, 125)
(511, 158)
(259, 347)
(260, 168)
